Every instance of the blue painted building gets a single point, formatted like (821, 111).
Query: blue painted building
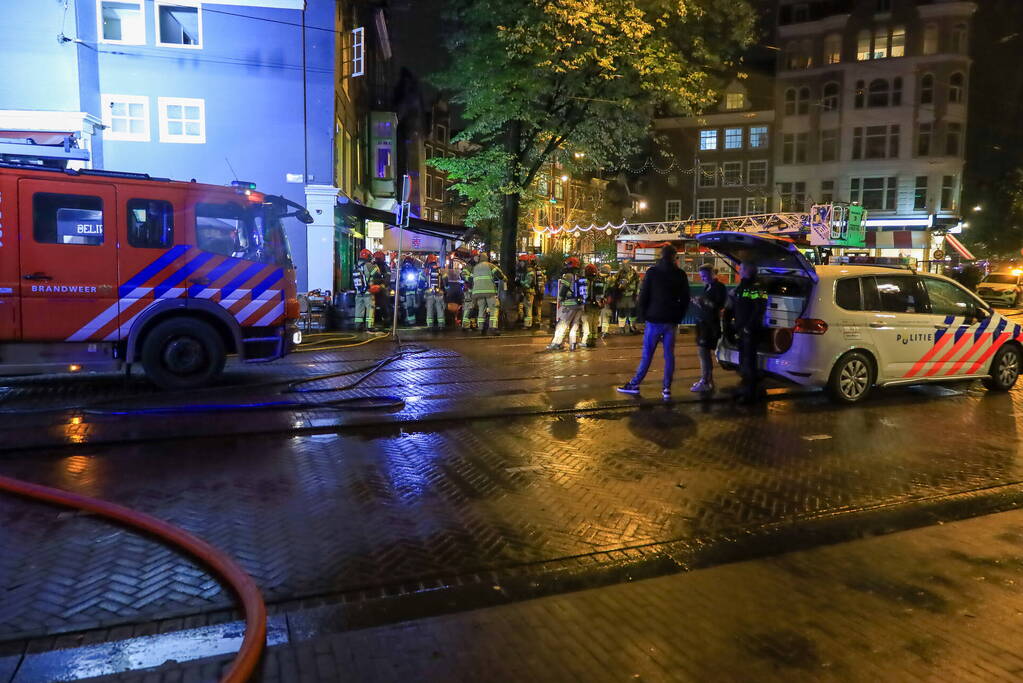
(181, 88)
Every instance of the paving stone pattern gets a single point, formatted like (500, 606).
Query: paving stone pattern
(937, 604)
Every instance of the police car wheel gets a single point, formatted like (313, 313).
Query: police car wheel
(1004, 369)
(852, 378)
(183, 353)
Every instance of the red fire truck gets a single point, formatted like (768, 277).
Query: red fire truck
(102, 269)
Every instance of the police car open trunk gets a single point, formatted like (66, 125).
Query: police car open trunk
(782, 270)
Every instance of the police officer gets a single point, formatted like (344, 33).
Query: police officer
(627, 288)
(607, 286)
(486, 278)
(366, 279)
(410, 286)
(435, 284)
(592, 304)
(468, 307)
(745, 310)
(571, 296)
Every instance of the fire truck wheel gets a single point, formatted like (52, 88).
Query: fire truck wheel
(182, 353)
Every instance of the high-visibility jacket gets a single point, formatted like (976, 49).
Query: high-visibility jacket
(485, 276)
(570, 291)
(364, 275)
(434, 280)
(627, 282)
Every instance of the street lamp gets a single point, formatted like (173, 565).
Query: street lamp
(978, 207)
(642, 206)
(564, 178)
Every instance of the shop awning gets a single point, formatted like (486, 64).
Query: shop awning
(951, 241)
(421, 226)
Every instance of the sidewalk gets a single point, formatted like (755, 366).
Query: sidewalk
(939, 603)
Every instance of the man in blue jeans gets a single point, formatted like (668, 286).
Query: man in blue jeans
(663, 299)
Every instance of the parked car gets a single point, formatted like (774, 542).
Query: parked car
(1002, 289)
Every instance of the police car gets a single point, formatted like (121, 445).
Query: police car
(848, 328)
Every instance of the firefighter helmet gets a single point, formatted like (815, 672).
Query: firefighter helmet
(591, 269)
(365, 254)
(571, 262)
(379, 255)
(431, 258)
(525, 257)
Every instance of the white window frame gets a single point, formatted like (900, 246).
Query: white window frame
(673, 210)
(157, 4)
(703, 202)
(707, 179)
(740, 137)
(741, 101)
(724, 173)
(163, 102)
(767, 137)
(738, 205)
(715, 140)
(749, 172)
(139, 40)
(107, 99)
(751, 208)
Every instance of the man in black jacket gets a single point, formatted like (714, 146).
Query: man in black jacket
(663, 299)
(746, 310)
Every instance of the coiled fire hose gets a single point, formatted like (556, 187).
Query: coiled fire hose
(245, 661)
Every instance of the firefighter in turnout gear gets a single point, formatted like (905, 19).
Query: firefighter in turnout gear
(593, 304)
(410, 286)
(526, 278)
(468, 309)
(745, 311)
(366, 279)
(605, 310)
(384, 298)
(572, 292)
(436, 284)
(485, 279)
(627, 289)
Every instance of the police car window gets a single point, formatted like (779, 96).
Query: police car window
(222, 229)
(847, 294)
(947, 298)
(67, 219)
(150, 223)
(871, 301)
(900, 294)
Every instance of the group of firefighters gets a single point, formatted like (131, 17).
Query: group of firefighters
(586, 298)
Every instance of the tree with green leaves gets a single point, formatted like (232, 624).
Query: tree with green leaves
(537, 78)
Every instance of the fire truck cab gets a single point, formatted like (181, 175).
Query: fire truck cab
(99, 269)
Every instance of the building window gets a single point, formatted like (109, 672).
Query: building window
(860, 93)
(706, 208)
(733, 138)
(948, 193)
(67, 219)
(442, 133)
(800, 13)
(758, 137)
(923, 139)
(731, 173)
(958, 42)
(150, 223)
(793, 196)
(178, 23)
(863, 46)
(829, 99)
(883, 6)
(673, 210)
(927, 89)
(803, 101)
(756, 205)
(794, 148)
(833, 48)
(879, 94)
(126, 117)
(829, 145)
(953, 139)
(920, 193)
(930, 46)
(955, 88)
(897, 91)
(880, 50)
(757, 174)
(709, 139)
(122, 21)
(876, 142)
(735, 100)
(559, 189)
(878, 194)
(708, 175)
(827, 191)
(790, 102)
(182, 119)
(898, 41)
(731, 208)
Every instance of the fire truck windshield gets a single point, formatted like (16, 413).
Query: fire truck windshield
(254, 232)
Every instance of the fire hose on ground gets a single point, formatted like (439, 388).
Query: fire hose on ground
(247, 658)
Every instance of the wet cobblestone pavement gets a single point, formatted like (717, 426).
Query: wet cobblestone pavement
(366, 506)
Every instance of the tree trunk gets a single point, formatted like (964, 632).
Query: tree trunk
(509, 232)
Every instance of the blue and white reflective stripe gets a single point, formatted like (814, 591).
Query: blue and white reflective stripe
(271, 279)
(214, 275)
(152, 269)
(255, 305)
(181, 273)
